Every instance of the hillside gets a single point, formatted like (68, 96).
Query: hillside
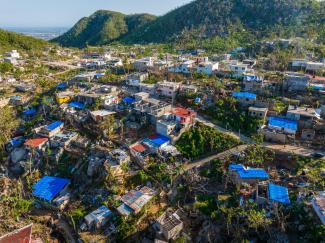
(102, 27)
(10, 40)
(204, 18)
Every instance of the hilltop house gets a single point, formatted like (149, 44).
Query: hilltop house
(143, 64)
(98, 218)
(295, 82)
(207, 67)
(184, 67)
(167, 89)
(240, 174)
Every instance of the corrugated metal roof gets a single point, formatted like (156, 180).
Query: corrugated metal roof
(283, 123)
(49, 187)
(278, 193)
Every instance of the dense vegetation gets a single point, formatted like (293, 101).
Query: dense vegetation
(10, 40)
(228, 113)
(102, 27)
(216, 22)
(202, 140)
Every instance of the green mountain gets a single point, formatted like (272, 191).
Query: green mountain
(103, 27)
(204, 19)
(10, 40)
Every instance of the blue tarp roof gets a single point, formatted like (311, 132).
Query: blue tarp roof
(49, 187)
(129, 100)
(253, 174)
(159, 140)
(98, 75)
(244, 95)
(62, 86)
(54, 125)
(29, 112)
(249, 173)
(76, 104)
(17, 141)
(283, 123)
(236, 167)
(278, 193)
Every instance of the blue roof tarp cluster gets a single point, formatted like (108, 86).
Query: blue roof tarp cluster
(54, 125)
(62, 86)
(244, 95)
(283, 123)
(249, 173)
(49, 187)
(129, 100)
(29, 112)
(278, 194)
(76, 104)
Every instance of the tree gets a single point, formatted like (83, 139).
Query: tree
(6, 67)
(8, 122)
(108, 126)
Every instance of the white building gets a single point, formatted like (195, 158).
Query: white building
(207, 67)
(13, 54)
(239, 68)
(314, 66)
(184, 67)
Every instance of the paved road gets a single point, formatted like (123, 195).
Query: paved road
(221, 155)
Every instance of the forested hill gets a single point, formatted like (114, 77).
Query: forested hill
(205, 18)
(103, 27)
(10, 40)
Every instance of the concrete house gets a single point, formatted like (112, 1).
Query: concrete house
(207, 68)
(318, 204)
(167, 89)
(240, 174)
(170, 225)
(258, 112)
(143, 64)
(245, 98)
(98, 218)
(295, 82)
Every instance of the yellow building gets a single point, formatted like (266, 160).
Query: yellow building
(64, 97)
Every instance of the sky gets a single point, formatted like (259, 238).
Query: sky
(65, 13)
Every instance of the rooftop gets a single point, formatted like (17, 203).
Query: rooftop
(49, 187)
(278, 194)
(35, 142)
(283, 123)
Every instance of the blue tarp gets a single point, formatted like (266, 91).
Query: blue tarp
(17, 141)
(197, 100)
(62, 86)
(49, 187)
(29, 112)
(129, 100)
(278, 194)
(54, 125)
(159, 140)
(244, 95)
(236, 167)
(99, 75)
(77, 105)
(283, 123)
(249, 173)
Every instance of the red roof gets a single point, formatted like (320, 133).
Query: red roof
(35, 142)
(22, 235)
(139, 148)
(182, 112)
